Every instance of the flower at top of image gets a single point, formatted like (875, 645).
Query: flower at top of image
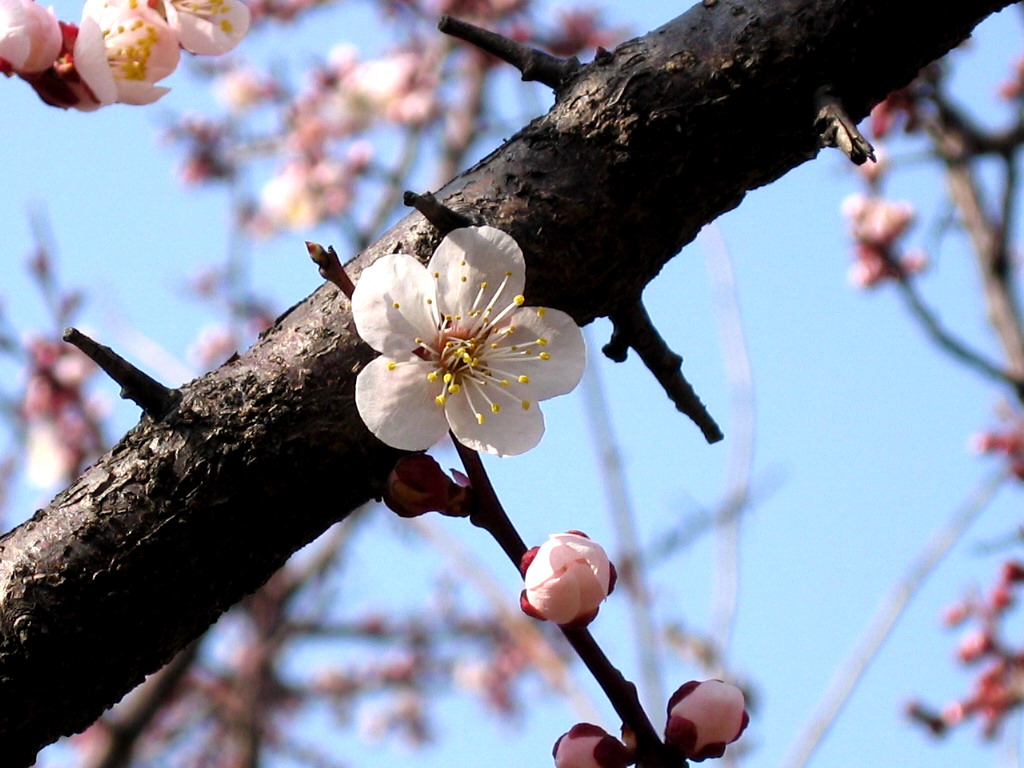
(208, 27)
(459, 350)
(123, 48)
(30, 37)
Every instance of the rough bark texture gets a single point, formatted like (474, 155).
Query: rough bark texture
(184, 517)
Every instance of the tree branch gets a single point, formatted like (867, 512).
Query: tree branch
(185, 516)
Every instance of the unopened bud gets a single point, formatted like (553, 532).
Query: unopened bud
(418, 485)
(566, 579)
(704, 717)
(589, 746)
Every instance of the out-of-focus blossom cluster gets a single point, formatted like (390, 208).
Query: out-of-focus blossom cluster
(1006, 441)
(216, 342)
(119, 50)
(1014, 87)
(877, 225)
(61, 423)
(319, 137)
(999, 686)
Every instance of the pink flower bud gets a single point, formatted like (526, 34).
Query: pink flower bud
(703, 717)
(418, 485)
(973, 645)
(588, 746)
(566, 579)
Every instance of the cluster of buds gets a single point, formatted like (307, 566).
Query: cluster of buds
(1007, 442)
(119, 50)
(704, 717)
(876, 226)
(999, 686)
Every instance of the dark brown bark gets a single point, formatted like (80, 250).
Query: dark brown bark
(185, 516)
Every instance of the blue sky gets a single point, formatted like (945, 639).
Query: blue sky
(861, 424)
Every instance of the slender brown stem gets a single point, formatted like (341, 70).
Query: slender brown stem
(490, 515)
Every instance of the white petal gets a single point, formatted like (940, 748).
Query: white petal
(15, 44)
(509, 432)
(473, 255)
(91, 56)
(394, 279)
(139, 92)
(397, 403)
(567, 352)
(212, 27)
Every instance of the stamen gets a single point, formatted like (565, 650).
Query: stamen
(392, 366)
(544, 356)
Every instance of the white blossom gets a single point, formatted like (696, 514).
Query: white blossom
(459, 350)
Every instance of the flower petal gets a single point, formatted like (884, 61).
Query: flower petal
(396, 402)
(471, 256)
(208, 27)
(90, 57)
(15, 44)
(389, 305)
(556, 365)
(511, 431)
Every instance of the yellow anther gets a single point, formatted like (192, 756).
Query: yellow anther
(430, 301)
(494, 345)
(514, 348)
(463, 279)
(418, 340)
(544, 356)
(526, 405)
(448, 378)
(395, 305)
(541, 311)
(519, 300)
(454, 389)
(495, 407)
(392, 366)
(440, 399)
(542, 341)
(437, 274)
(463, 262)
(524, 379)
(432, 376)
(508, 274)
(479, 418)
(483, 285)
(505, 382)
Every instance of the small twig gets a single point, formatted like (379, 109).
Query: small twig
(885, 617)
(633, 328)
(836, 129)
(330, 267)
(437, 213)
(490, 515)
(943, 338)
(534, 64)
(154, 398)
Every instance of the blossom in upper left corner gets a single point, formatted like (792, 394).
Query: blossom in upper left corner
(459, 350)
(30, 37)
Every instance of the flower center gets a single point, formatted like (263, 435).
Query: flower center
(473, 357)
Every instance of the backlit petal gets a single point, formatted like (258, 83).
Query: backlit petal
(397, 405)
(208, 27)
(395, 279)
(511, 431)
(556, 366)
(468, 257)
